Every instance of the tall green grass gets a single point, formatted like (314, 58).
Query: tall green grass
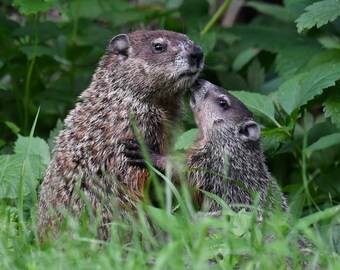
(175, 237)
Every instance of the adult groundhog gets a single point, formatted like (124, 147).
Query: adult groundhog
(143, 75)
(228, 155)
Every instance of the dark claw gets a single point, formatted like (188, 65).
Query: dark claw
(133, 153)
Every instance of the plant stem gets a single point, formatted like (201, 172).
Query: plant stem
(216, 16)
(304, 167)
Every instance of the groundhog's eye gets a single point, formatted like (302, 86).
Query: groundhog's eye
(223, 104)
(159, 47)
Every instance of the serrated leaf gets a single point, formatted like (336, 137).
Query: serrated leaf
(303, 87)
(318, 14)
(34, 7)
(187, 139)
(30, 166)
(10, 171)
(332, 108)
(38, 147)
(324, 142)
(260, 105)
(244, 58)
(39, 154)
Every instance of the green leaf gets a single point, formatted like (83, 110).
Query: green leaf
(272, 139)
(290, 61)
(39, 154)
(273, 10)
(207, 42)
(260, 105)
(318, 14)
(163, 219)
(10, 171)
(303, 87)
(3, 86)
(34, 6)
(255, 76)
(31, 166)
(332, 108)
(241, 223)
(324, 142)
(268, 37)
(244, 58)
(187, 139)
(330, 41)
(36, 51)
(318, 216)
(13, 127)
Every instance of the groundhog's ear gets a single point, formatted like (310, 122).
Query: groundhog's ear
(250, 131)
(120, 45)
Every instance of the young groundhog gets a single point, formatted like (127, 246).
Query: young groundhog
(143, 77)
(228, 155)
(227, 159)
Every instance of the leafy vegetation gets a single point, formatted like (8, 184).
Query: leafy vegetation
(282, 61)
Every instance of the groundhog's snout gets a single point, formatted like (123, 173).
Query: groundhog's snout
(197, 91)
(196, 56)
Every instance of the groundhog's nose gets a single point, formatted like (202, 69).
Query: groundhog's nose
(196, 56)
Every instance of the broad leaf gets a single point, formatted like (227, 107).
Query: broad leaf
(332, 108)
(29, 163)
(273, 10)
(318, 14)
(244, 58)
(289, 62)
(32, 51)
(255, 76)
(303, 87)
(260, 105)
(38, 147)
(186, 140)
(272, 139)
(269, 38)
(34, 7)
(207, 42)
(11, 169)
(324, 142)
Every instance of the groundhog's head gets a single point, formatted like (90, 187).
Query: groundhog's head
(158, 58)
(222, 116)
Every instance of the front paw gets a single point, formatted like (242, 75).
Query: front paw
(133, 153)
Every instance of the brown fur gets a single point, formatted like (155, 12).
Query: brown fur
(228, 157)
(132, 79)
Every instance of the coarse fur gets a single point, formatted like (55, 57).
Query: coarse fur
(143, 75)
(227, 159)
